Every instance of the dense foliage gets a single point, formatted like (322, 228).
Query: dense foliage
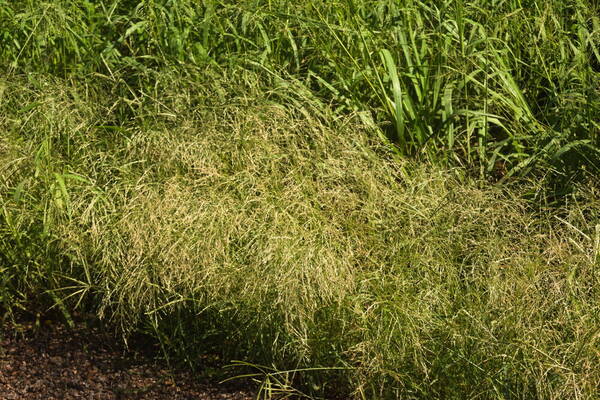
(499, 86)
(378, 199)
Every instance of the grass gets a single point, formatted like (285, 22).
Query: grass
(355, 199)
(502, 91)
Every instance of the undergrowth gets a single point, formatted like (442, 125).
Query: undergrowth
(365, 199)
(287, 238)
(504, 88)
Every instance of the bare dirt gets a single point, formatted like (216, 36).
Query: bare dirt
(54, 362)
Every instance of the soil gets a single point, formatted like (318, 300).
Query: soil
(52, 361)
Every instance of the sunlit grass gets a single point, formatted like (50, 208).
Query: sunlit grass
(264, 233)
(505, 89)
(368, 199)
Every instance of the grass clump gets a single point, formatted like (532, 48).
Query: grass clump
(286, 237)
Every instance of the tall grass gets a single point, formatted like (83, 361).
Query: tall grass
(302, 186)
(282, 237)
(501, 87)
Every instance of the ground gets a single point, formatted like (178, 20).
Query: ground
(54, 362)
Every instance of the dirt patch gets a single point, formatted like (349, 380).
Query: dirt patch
(54, 362)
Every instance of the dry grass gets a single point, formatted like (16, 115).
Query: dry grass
(290, 240)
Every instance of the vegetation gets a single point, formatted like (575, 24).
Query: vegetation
(369, 199)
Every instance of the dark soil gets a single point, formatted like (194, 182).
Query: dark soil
(53, 362)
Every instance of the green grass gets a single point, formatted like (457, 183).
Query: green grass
(353, 198)
(501, 88)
